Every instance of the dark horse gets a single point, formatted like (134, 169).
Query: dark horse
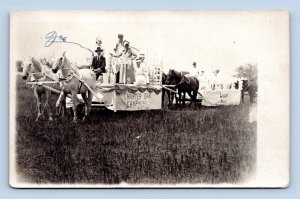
(184, 85)
(170, 95)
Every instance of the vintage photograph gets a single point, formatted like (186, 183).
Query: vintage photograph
(148, 98)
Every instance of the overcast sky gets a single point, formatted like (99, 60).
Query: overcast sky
(213, 39)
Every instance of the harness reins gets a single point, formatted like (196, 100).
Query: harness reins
(183, 80)
(70, 76)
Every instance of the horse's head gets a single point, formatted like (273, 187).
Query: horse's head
(28, 68)
(59, 63)
(173, 77)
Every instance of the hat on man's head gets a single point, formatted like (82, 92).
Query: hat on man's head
(126, 42)
(141, 56)
(194, 63)
(98, 39)
(120, 35)
(98, 49)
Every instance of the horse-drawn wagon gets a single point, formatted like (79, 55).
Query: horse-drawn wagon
(80, 86)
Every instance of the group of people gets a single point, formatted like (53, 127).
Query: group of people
(130, 71)
(211, 81)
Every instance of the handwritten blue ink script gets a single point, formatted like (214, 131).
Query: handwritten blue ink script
(53, 37)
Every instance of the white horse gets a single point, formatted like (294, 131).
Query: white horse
(70, 84)
(39, 73)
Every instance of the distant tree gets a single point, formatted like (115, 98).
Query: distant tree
(19, 66)
(249, 72)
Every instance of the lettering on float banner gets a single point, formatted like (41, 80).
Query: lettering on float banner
(215, 98)
(137, 100)
(223, 98)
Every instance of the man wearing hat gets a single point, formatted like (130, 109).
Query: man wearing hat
(99, 63)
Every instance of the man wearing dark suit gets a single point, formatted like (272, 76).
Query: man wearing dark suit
(99, 63)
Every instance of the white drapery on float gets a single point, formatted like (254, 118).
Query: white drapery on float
(218, 91)
(130, 97)
(221, 98)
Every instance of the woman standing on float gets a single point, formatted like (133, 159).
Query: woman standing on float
(126, 70)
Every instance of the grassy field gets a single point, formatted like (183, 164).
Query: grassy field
(207, 145)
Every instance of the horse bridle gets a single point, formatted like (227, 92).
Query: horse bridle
(69, 76)
(61, 67)
(62, 63)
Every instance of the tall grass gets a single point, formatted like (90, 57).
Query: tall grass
(207, 145)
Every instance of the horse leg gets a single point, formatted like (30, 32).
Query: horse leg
(163, 97)
(179, 96)
(90, 98)
(194, 98)
(62, 109)
(59, 103)
(193, 95)
(88, 102)
(48, 95)
(169, 98)
(63, 106)
(172, 97)
(183, 100)
(39, 104)
(176, 98)
(190, 93)
(75, 105)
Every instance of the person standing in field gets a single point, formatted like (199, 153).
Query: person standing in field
(203, 81)
(194, 71)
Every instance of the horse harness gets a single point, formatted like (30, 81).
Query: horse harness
(69, 78)
(40, 79)
(183, 81)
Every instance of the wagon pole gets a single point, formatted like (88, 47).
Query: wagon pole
(169, 86)
(43, 82)
(47, 87)
(165, 87)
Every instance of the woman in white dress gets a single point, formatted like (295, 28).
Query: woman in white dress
(141, 73)
(127, 73)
